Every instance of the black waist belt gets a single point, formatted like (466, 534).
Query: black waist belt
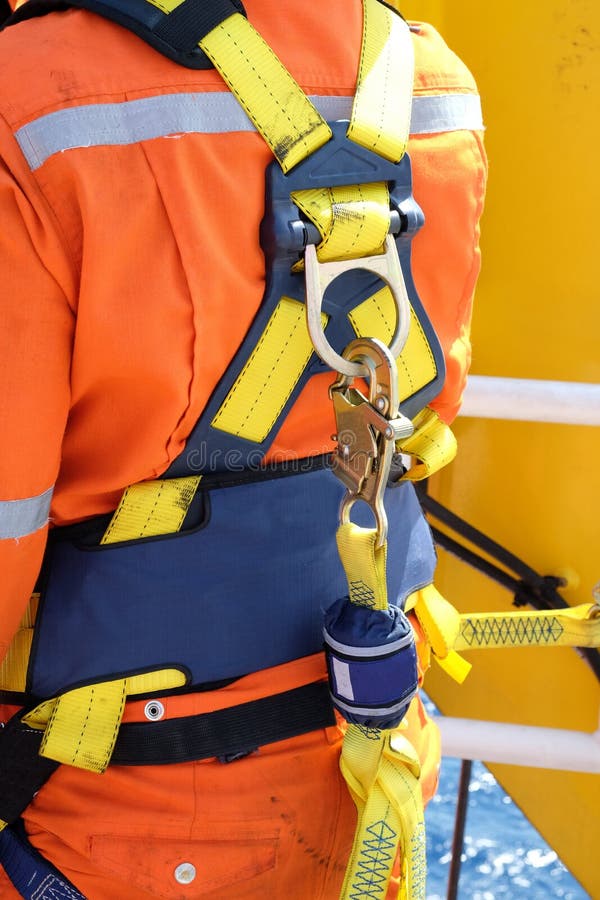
(227, 734)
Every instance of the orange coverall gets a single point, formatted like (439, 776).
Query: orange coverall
(130, 271)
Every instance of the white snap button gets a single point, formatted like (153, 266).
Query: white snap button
(154, 710)
(185, 873)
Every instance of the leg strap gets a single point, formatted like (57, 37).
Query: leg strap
(32, 876)
(22, 770)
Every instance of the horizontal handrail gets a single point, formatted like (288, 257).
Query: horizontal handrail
(530, 400)
(520, 745)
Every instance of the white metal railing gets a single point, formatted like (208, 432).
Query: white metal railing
(526, 399)
(520, 745)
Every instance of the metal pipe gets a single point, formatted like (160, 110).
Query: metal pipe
(520, 745)
(458, 839)
(529, 400)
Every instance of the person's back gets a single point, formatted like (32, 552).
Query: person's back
(131, 193)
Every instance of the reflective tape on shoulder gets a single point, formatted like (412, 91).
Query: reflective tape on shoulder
(133, 121)
(18, 518)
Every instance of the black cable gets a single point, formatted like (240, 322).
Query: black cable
(5, 11)
(544, 587)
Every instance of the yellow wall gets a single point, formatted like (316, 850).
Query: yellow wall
(533, 487)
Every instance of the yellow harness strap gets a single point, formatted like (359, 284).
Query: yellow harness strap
(382, 779)
(270, 374)
(375, 317)
(353, 221)
(151, 508)
(14, 666)
(280, 110)
(447, 631)
(382, 106)
(81, 726)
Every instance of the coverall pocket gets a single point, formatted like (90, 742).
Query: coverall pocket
(209, 865)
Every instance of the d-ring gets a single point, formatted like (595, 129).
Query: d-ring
(318, 278)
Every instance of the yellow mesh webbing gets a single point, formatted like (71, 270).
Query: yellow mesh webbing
(575, 627)
(270, 374)
(384, 784)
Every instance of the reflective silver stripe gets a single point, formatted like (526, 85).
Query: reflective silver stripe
(18, 518)
(368, 652)
(106, 124)
(375, 710)
(446, 112)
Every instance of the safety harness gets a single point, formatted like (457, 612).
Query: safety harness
(338, 223)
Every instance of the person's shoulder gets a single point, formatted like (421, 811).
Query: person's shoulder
(70, 57)
(437, 67)
(40, 57)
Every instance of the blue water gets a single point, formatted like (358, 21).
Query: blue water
(503, 856)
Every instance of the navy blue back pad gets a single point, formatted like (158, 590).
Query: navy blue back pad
(244, 592)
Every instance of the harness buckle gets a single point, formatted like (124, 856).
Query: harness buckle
(367, 429)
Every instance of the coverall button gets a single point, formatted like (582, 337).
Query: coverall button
(185, 873)
(154, 710)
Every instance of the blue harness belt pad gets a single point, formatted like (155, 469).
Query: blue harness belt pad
(217, 601)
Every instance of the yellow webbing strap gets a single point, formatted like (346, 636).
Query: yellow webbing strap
(383, 100)
(383, 781)
(259, 393)
(151, 508)
(384, 784)
(376, 317)
(432, 445)
(81, 726)
(364, 565)
(578, 626)
(440, 622)
(353, 220)
(13, 668)
(271, 98)
(446, 630)
(285, 117)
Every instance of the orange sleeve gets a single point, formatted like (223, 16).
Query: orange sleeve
(36, 334)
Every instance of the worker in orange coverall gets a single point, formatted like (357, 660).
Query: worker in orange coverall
(131, 271)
